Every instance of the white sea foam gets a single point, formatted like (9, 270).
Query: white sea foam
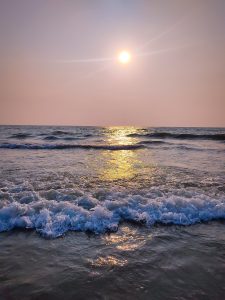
(78, 212)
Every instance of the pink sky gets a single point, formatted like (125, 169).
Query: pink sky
(184, 86)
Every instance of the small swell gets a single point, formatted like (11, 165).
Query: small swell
(66, 138)
(60, 132)
(69, 146)
(50, 138)
(19, 136)
(152, 142)
(185, 136)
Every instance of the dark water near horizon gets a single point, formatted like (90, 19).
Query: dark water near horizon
(112, 213)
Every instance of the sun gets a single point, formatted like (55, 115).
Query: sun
(124, 57)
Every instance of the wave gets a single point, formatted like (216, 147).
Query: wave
(69, 146)
(60, 132)
(216, 137)
(20, 136)
(53, 218)
(67, 138)
(50, 138)
(190, 148)
(165, 145)
(153, 142)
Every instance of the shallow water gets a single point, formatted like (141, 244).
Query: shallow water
(134, 263)
(138, 213)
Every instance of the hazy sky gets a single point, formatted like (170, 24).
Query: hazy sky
(49, 75)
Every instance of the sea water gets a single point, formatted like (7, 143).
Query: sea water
(112, 213)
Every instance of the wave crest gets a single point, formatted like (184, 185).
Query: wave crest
(52, 218)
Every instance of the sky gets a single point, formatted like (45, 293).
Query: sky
(59, 66)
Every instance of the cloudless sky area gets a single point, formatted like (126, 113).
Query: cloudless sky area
(58, 62)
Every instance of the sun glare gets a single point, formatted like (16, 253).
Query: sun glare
(124, 57)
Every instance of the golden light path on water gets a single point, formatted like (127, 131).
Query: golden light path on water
(128, 239)
(121, 164)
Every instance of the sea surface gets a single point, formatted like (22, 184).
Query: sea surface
(112, 213)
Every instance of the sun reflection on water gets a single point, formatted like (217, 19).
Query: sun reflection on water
(128, 240)
(121, 135)
(121, 164)
(109, 260)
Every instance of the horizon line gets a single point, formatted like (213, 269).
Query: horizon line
(138, 126)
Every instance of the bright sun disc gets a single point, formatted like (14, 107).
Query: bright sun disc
(124, 57)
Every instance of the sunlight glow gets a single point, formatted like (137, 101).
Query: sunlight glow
(124, 57)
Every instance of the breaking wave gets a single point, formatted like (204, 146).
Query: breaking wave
(53, 218)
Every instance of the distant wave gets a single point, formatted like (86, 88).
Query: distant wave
(60, 132)
(152, 142)
(69, 146)
(187, 136)
(190, 148)
(52, 218)
(165, 145)
(139, 145)
(20, 136)
(65, 135)
(168, 146)
(50, 138)
(66, 138)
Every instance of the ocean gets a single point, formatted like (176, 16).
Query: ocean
(112, 213)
